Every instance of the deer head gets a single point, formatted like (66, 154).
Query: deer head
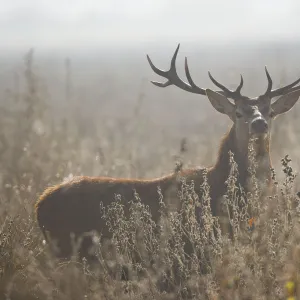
(251, 116)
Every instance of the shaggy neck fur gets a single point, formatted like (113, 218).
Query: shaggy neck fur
(219, 173)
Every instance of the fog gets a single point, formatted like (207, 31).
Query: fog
(107, 43)
(132, 23)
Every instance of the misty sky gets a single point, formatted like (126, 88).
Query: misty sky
(86, 23)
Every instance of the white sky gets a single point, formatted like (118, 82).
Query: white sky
(41, 23)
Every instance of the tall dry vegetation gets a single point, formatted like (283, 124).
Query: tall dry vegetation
(37, 151)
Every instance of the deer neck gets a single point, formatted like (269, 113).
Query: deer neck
(260, 152)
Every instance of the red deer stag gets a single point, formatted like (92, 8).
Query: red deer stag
(74, 206)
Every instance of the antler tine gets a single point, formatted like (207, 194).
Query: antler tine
(224, 92)
(284, 89)
(160, 72)
(188, 74)
(161, 84)
(173, 60)
(238, 89)
(235, 95)
(280, 91)
(219, 85)
(270, 82)
(155, 69)
(173, 78)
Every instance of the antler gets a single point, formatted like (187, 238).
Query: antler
(280, 91)
(173, 79)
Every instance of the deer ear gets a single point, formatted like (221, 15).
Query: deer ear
(285, 102)
(220, 102)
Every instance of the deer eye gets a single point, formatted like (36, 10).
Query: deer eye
(271, 114)
(238, 114)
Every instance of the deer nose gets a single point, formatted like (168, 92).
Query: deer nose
(259, 125)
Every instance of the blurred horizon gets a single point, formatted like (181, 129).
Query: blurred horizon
(106, 44)
(59, 26)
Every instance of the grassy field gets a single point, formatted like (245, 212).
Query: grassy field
(45, 140)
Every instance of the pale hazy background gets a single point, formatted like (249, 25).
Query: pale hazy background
(106, 43)
(89, 23)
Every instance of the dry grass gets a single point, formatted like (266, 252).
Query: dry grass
(36, 152)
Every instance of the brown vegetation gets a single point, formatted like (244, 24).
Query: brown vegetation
(37, 152)
(74, 207)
